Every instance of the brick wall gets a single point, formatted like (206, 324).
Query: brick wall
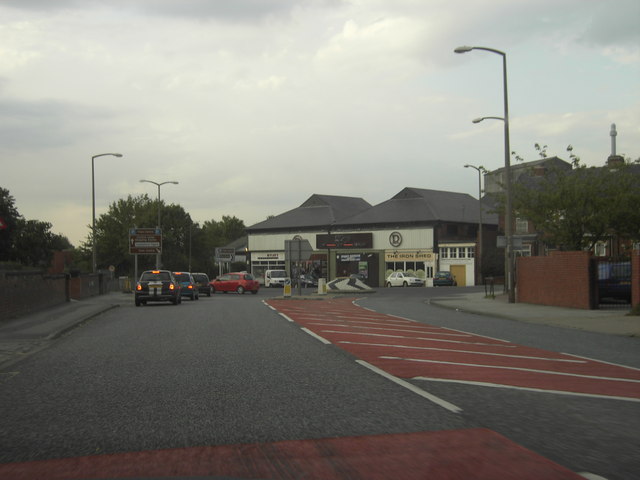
(562, 279)
(25, 292)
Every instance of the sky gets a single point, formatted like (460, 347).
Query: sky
(255, 105)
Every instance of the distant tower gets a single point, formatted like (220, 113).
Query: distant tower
(614, 159)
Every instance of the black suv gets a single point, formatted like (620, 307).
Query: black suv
(157, 286)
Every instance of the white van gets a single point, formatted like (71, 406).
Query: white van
(275, 278)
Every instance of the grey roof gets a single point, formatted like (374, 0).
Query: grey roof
(419, 206)
(316, 211)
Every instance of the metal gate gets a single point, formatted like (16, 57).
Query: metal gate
(613, 285)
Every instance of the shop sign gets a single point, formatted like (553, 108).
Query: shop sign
(344, 240)
(349, 258)
(270, 256)
(409, 256)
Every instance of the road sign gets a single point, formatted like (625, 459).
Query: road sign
(145, 241)
(298, 250)
(225, 254)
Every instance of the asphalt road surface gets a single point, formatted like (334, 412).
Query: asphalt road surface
(229, 370)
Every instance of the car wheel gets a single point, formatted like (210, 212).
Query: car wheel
(193, 297)
(388, 285)
(254, 291)
(175, 301)
(404, 284)
(138, 302)
(240, 290)
(209, 292)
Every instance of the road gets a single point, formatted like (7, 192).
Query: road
(229, 370)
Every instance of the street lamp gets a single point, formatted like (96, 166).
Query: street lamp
(508, 218)
(158, 185)
(480, 171)
(94, 263)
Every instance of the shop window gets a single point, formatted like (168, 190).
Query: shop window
(444, 252)
(462, 252)
(471, 252)
(453, 252)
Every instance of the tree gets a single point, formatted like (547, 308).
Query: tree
(10, 218)
(575, 209)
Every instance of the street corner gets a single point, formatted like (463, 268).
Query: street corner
(480, 454)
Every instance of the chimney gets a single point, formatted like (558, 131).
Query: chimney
(613, 159)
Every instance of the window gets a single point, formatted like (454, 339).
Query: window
(462, 252)
(471, 252)
(444, 252)
(453, 252)
(522, 225)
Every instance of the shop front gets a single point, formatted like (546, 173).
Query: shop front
(263, 261)
(422, 263)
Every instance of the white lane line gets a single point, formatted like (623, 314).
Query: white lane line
(546, 372)
(464, 351)
(601, 361)
(285, 317)
(420, 338)
(386, 328)
(478, 335)
(432, 398)
(316, 336)
(528, 389)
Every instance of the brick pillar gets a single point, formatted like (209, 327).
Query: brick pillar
(635, 277)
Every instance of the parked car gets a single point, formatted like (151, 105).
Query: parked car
(444, 279)
(403, 279)
(202, 282)
(157, 286)
(235, 282)
(188, 285)
(308, 280)
(614, 281)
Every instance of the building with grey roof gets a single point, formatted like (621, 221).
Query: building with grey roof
(417, 230)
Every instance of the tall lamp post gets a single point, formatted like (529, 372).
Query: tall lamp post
(94, 261)
(480, 251)
(508, 218)
(158, 185)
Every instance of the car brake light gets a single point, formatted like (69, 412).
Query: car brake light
(172, 286)
(155, 271)
(138, 287)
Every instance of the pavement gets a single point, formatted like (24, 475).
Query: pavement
(24, 335)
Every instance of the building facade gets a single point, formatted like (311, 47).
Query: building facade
(418, 230)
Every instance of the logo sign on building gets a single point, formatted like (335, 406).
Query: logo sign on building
(225, 254)
(145, 241)
(344, 240)
(409, 256)
(395, 239)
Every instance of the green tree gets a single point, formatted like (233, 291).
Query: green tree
(574, 209)
(10, 218)
(34, 243)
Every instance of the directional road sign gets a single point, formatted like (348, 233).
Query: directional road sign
(145, 241)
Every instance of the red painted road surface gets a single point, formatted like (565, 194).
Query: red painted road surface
(477, 454)
(418, 351)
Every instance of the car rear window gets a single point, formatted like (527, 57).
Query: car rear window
(200, 278)
(156, 276)
(182, 277)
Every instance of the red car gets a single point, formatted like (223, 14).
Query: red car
(235, 282)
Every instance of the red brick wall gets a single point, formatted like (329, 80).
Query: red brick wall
(561, 280)
(635, 278)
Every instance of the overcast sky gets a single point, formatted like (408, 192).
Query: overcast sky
(254, 105)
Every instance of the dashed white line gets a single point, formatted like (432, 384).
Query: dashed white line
(432, 398)
(316, 336)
